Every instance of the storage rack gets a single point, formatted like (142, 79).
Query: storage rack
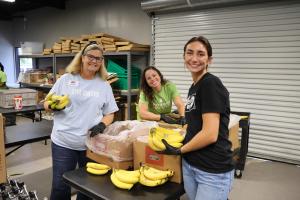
(128, 55)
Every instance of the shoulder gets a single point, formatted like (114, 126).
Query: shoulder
(210, 79)
(169, 85)
(102, 83)
(67, 76)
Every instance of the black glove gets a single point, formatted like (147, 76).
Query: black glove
(167, 119)
(170, 150)
(99, 128)
(181, 121)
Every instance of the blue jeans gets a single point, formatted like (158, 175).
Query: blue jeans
(63, 160)
(201, 185)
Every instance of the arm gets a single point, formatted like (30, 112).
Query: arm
(145, 114)
(180, 105)
(108, 119)
(208, 135)
(46, 106)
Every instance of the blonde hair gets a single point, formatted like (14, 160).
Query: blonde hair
(76, 64)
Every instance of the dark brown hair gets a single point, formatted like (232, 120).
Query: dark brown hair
(145, 88)
(202, 40)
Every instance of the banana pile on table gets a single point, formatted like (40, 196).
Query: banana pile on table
(124, 179)
(152, 177)
(156, 134)
(97, 168)
(57, 102)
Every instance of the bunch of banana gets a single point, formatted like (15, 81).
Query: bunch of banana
(124, 179)
(152, 177)
(56, 101)
(96, 168)
(156, 134)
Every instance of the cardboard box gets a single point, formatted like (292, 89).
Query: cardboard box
(234, 137)
(108, 161)
(144, 155)
(3, 176)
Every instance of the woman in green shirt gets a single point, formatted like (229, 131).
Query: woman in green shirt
(3, 77)
(156, 98)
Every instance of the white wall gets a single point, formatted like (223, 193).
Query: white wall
(7, 50)
(120, 18)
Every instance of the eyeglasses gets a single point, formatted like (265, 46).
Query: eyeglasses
(94, 58)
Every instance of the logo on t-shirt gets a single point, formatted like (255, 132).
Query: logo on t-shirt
(73, 83)
(190, 103)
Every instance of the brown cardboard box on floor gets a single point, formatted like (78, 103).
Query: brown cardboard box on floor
(3, 176)
(108, 161)
(144, 155)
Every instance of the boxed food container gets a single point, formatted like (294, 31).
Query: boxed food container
(144, 155)
(116, 143)
(29, 97)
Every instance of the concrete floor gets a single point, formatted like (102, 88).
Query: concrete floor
(262, 180)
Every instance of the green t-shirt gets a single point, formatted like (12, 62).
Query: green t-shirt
(162, 101)
(3, 78)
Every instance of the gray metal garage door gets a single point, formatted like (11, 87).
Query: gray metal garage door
(256, 50)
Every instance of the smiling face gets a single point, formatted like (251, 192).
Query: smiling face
(92, 61)
(196, 58)
(153, 79)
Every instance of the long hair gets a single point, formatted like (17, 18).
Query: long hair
(146, 89)
(1, 67)
(76, 64)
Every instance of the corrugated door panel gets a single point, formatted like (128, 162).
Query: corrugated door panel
(256, 53)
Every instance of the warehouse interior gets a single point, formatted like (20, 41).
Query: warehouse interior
(256, 47)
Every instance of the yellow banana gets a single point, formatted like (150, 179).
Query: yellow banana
(97, 171)
(155, 174)
(174, 138)
(158, 143)
(169, 135)
(135, 173)
(150, 183)
(126, 176)
(55, 97)
(151, 145)
(49, 96)
(63, 102)
(53, 105)
(119, 183)
(176, 144)
(97, 165)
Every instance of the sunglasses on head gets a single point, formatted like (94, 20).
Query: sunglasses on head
(89, 44)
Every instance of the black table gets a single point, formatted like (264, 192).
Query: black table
(26, 109)
(27, 133)
(101, 187)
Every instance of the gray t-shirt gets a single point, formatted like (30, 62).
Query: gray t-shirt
(89, 101)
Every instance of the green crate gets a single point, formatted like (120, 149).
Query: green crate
(122, 83)
(122, 75)
(112, 66)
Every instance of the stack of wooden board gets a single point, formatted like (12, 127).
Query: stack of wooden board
(110, 43)
(47, 51)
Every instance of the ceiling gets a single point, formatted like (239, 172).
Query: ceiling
(8, 10)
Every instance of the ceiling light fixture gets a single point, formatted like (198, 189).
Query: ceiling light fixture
(9, 1)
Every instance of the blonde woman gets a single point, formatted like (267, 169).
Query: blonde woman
(91, 109)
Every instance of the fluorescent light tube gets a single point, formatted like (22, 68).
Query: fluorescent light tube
(9, 0)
